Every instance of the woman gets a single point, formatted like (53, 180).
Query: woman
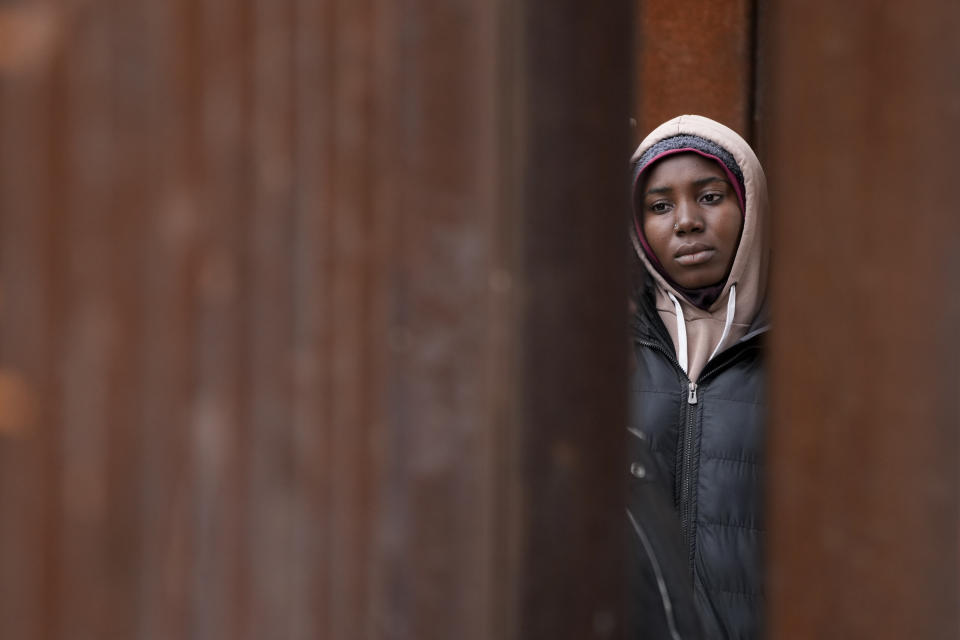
(697, 398)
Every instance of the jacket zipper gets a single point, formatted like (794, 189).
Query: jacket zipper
(685, 504)
(687, 511)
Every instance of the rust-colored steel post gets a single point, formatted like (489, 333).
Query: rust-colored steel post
(500, 203)
(312, 319)
(864, 493)
(575, 60)
(695, 56)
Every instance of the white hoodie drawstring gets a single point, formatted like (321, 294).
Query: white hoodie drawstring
(681, 333)
(682, 327)
(731, 310)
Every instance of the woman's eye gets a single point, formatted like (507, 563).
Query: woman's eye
(658, 207)
(711, 198)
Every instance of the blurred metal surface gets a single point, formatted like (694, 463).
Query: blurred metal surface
(311, 318)
(573, 251)
(864, 122)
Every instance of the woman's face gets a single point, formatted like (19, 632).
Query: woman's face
(691, 219)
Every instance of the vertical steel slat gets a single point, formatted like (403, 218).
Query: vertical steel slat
(30, 299)
(221, 602)
(863, 120)
(573, 252)
(696, 57)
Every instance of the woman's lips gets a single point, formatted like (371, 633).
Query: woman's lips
(690, 255)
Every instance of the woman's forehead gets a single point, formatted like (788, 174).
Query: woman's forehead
(682, 167)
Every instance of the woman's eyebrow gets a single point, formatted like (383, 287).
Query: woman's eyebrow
(696, 183)
(708, 180)
(658, 190)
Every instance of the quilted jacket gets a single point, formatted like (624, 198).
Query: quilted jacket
(706, 440)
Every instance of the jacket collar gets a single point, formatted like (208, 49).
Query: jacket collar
(646, 323)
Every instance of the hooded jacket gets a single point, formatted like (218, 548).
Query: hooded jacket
(731, 314)
(697, 403)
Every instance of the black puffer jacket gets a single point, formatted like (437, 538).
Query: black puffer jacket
(707, 441)
(661, 604)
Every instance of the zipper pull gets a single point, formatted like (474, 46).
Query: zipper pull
(692, 394)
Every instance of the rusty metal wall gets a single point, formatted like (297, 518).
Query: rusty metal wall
(311, 318)
(695, 56)
(864, 118)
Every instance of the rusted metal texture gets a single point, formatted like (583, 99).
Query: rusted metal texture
(311, 318)
(695, 56)
(863, 502)
(575, 59)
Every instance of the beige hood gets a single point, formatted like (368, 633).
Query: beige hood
(702, 329)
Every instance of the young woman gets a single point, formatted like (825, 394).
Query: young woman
(697, 397)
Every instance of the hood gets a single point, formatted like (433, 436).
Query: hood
(700, 333)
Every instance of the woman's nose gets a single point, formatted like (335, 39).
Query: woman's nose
(689, 219)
